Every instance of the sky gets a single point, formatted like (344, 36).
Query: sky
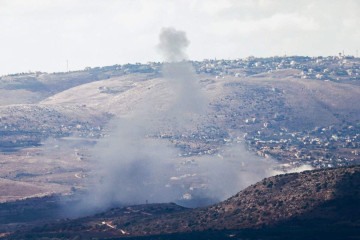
(45, 35)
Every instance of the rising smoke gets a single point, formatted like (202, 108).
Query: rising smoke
(173, 44)
(133, 167)
(190, 102)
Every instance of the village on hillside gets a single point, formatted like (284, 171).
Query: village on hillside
(263, 131)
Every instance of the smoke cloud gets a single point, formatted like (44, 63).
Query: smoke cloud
(173, 44)
(190, 102)
(133, 166)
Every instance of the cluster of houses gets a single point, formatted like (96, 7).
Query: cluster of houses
(332, 68)
(321, 147)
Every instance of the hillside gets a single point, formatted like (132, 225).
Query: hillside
(293, 110)
(303, 203)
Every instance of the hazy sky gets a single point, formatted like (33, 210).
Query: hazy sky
(43, 34)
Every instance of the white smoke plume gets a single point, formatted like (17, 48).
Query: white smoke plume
(173, 44)
(190, 102)
(132, 167)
